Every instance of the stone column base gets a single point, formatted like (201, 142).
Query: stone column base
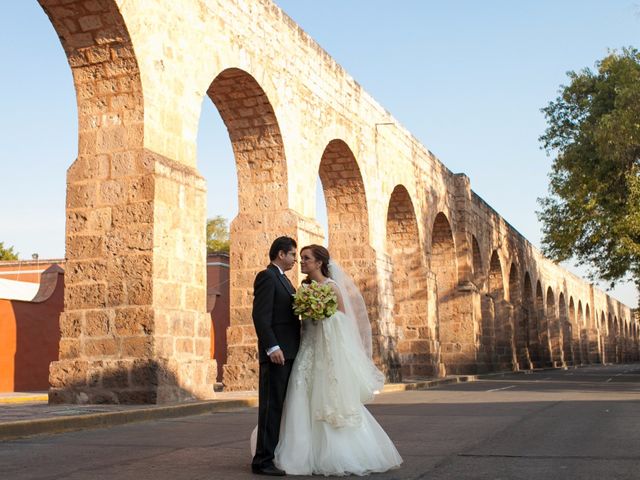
(136, 381)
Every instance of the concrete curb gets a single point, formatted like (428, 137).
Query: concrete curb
(40, 426)
(36, 398)
(425, 384)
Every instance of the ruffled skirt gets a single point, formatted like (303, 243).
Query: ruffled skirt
(325, 427)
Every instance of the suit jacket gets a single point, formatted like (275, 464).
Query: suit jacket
(273, 316)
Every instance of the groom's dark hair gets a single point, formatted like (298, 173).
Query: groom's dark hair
(285, 244)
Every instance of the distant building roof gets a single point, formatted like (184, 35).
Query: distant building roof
(31, 263)
(15, 290)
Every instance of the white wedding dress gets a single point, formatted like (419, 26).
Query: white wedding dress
(325, 427)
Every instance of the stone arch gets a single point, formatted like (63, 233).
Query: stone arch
(570, 336)
(109, 280)
(587, 316)
(625, 340)
(593, 335)
(101, 54)
(543, 327)
(347, 214)
(409, 284)
(255, 137)
(520, 332)
(477, 264)
(444, 267)
(346, 200)
(348, 230)
(529, 313)
(503, 313)
(553, 323)
(261, 168)
(496, 282)
(603, 338)
(563, 331)
(610, 328)
(611, 340)
(514, 285)
(582, 326)
(617, 339)
(630, 342)
(580, 321)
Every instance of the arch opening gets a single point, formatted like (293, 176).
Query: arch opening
(503, 316)
(261, 170)
(553, 323)
(410, 288)
(520, 319)
(529, 311)
(348, 240)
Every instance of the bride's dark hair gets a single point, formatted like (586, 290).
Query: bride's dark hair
(319, 253)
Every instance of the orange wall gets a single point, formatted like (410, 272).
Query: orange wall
(7, 346)
(29, 338)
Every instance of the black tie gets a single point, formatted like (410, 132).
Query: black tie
(286, 279)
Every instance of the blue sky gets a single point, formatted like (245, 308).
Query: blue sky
(467, 78)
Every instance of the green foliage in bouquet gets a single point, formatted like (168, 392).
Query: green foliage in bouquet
(315, 301)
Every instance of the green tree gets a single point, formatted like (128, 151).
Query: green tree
(592, 213)
(217, 235)
(7, 253)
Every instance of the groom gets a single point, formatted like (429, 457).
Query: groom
(278, 331)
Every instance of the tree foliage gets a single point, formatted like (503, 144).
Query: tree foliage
(7, 253)
(217, 235)
(592, 213)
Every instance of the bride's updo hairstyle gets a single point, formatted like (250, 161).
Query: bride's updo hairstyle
(319, 253)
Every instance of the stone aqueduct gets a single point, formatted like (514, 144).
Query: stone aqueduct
(450, 286)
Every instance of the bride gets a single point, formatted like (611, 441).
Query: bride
(325, 427)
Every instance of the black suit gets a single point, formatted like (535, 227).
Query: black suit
(275, 324)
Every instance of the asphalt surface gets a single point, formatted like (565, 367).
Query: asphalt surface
(576, 424)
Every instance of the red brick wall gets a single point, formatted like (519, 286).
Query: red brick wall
(26, 270)
(29, 338)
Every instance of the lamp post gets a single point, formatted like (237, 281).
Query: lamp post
(35, 256)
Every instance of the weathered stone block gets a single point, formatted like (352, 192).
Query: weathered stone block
(137, 347)
(134, 321)
(99, 347)
(97, 323)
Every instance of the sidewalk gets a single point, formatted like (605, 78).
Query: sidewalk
(25, 414)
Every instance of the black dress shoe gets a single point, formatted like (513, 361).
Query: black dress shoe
(271, 470)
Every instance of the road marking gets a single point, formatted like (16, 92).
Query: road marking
(503, 388)
(608, 380)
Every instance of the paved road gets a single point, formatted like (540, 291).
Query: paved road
(576, 424)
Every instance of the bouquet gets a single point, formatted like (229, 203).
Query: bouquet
(315, 301)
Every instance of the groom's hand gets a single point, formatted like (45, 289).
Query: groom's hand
(277, 357)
